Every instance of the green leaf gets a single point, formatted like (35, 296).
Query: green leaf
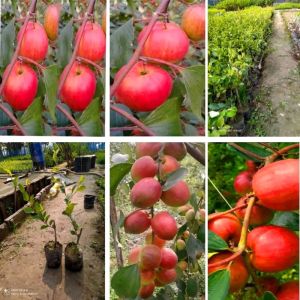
(69, 209)
(126, 281)
(201, 233)
(194, 80)
(165, 120)
(32, 120)
(51, 75)
(90, 121)
(44, 226)
(117, 173)
(192, 287)
(4, 119)
(64, 43)
(28, 210)
(8, 35)
(116, 120)
(23, 191)
(286, 219)
(269, 296)
(216, 243)
(121, 45)
(218, 285)
(174, 177)
(193, 246)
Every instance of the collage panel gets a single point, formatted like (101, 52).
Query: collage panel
(253, 68)
(253, 221)
(52, 65)
(157, 68)
(157, 216)
(52, 221)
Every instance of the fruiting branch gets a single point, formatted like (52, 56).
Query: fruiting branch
(217, 215)
(162, 8)
(247, 152)
(280, 152)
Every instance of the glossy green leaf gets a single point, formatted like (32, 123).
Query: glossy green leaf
(8, 36)
(192, 287)
(218, 285)
(64, 42)
(269, 296)
(286, 219)
(4, 119)
(117, 173)
(215, 243)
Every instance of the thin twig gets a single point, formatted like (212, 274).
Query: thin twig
(31, 61)
(161, 61)
(247, 152)
(217, 215)
(88, 61)
(280, 152)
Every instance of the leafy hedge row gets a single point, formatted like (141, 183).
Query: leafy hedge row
(237, 40)
(241, 4)
(287, 5)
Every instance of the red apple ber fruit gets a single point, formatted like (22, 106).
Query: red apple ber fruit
(274, 248)
(21, 86)
(169, 258)
(288, 291)
(134, 255)
(228, 227)
(167, 41)
(150, 257)
(166, 276)
(51, 21)
(144, 88)
(177, 150)
(152, 238)
(193, 22)
(168, 165)
(79, 87)
(137, 222)
(177, 195)
(34, 44)
(147, 149)
(238, 270)
(144, 167)
(243, 182)
(277, 185)
(92, 43)
(146, 290)
(164, 225)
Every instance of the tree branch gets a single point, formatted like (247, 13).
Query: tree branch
(247, 152)
(195, 153)
(280, 152)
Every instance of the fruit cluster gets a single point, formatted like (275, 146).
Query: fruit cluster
(269, 248)
(157, 262)
(147, 85)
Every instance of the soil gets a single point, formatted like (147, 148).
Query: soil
(280, 82)
(23, 271)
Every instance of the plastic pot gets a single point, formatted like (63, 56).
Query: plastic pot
(73, 258)
(53, 254)
(89, 201)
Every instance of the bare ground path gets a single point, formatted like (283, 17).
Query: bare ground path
(22, 260)
(280, 83)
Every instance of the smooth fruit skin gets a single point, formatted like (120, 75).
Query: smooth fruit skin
(150, 257)
(21, 86)
(277, 185)
(164, 225)
(169, 258)
(268, 283)
(243, 182)
(147, 277)
(147, 149)
(34, 44)
(152, 238)
(288, 291)
(274, 248)
(145, 193)
(169, 164)
(259, 214)
(134, 255)
(166, 276)
(228, 227)
(251, 166)
(167, 41)
(79, 87)
(146, 290)
(51, 21)
(144, 88)
(177, 195)
(92, 42)
(177, 150)
(143, 167)
(137, 222)
(238, 270)
(193, 22)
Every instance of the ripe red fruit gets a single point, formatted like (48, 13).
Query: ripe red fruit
(251, 166)
(243, 182)
(147, 149)
(51, 21)
(274, 248)
(277, 185)
(169, 164)
(268, 283)
(172, 40)
(79, 87)
(177, 150)
(177, 195)
(169, 258)
(145, 193)
(143, 167)
(147, 277)
(146, 290)
(166, 276)
(92, 43)
(259, 214)
(150, 257)
(21, 86)
(34, 44)
(154, 239)
(228, 227)
(164, 225)
(134, 255)
(193, 22)
(288, 291)
(137, 222)
(238, 270)
(144, 88)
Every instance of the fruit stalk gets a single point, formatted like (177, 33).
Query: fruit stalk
(217, 215)
(161, 61)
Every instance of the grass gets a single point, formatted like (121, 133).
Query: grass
(20, 163)
(287, 5)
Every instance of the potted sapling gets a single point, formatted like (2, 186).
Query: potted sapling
(73, 253)
(53, 249)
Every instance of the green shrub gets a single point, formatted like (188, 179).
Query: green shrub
(100, 157)
(287, 5)
(230, 5)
